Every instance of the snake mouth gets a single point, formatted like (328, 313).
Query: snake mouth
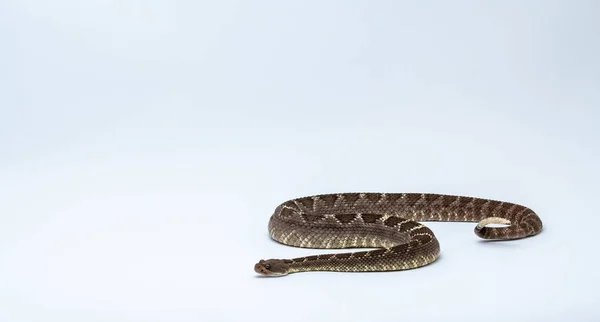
(259, 269)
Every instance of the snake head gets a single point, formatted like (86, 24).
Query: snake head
(272, 267)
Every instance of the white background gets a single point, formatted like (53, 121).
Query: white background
(144, 145)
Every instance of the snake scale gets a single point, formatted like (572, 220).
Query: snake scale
(388, 222)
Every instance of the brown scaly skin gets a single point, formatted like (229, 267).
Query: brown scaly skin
(388, 222)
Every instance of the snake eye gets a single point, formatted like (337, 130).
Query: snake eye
(268, 266)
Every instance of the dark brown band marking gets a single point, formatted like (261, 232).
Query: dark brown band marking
(370, 218)
(329, 200)
(393, 221)
(409, 225)
(352, 197)
(308, 203)
(345, 218)
(373, 197)
(311, 217)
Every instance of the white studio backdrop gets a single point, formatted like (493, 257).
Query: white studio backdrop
(144, 145)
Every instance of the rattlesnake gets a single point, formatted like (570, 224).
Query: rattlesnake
(386, 221)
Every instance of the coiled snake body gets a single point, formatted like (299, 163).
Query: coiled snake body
(386, 221)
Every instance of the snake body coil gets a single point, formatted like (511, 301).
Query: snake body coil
(386, 221)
